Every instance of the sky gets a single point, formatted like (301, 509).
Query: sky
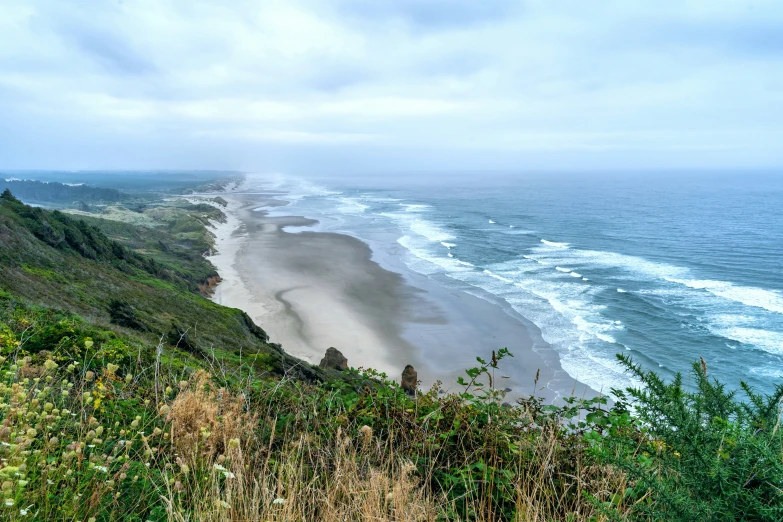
(311, 86)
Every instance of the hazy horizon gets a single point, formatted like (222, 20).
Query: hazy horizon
(343, 86)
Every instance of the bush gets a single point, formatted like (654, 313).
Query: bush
(699, 454)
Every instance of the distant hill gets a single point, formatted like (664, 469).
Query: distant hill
(129, 181)
(52, 192)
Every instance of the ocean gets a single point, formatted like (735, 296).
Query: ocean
(663, 267)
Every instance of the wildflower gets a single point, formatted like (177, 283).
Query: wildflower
(223, 504)
(111, 368)
(279, 501)
(50, 364)
(9, 502)
(233, 443)
(164, 410)
(128, 378)
(102, 468)
(88, 343)
(89, 376)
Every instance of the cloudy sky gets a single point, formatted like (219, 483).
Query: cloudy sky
(312, 86)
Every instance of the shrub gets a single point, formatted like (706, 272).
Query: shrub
(694, 454)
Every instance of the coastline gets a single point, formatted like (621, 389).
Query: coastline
(312, 290)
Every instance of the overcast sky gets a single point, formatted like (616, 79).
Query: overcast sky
(383, 85)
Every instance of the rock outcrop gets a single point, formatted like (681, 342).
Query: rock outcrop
(410, 380)
(334, 359)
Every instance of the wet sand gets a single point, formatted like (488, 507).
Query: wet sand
(312, 290)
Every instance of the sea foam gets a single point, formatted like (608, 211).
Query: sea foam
(554, 244)
(750, 296)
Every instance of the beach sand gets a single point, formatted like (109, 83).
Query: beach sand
(312, 290)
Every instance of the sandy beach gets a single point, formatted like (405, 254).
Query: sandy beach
(312, 290)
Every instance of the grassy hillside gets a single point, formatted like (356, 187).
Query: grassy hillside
(52, 260)
(126, 395)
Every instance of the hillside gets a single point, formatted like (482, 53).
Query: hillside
(52, 260)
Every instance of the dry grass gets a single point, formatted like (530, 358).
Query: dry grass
(207, 422)
(229, 474)
(548, 494)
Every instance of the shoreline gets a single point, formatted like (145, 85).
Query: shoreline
(312, 290)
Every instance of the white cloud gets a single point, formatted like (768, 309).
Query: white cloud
(414, 84)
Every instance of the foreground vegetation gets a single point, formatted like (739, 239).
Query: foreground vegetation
(126, 395)
(96, 425)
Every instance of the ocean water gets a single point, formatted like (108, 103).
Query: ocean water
(663, 267)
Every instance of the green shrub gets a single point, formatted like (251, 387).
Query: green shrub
(694, 454)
